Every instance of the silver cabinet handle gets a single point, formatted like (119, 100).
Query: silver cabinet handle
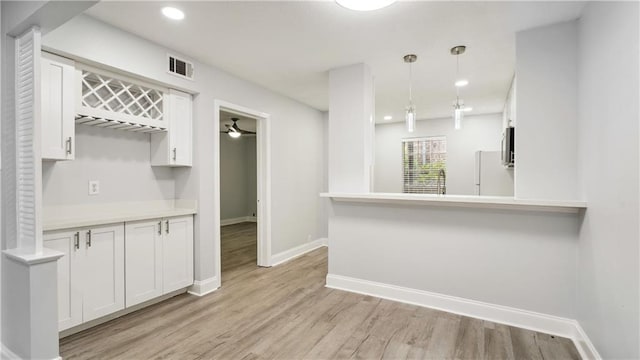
(175, 150)
(160, 227)
(68, 145)
(76, 240)
(89, 238)
(167, 223)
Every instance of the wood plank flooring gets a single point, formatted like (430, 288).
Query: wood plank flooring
(285, 312)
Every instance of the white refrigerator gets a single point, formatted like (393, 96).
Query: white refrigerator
(491, 177)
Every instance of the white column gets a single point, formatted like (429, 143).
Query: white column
(547, 109)
(351, 129)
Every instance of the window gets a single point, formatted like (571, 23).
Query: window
(423, 159)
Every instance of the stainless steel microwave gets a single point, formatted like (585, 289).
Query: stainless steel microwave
(509, 147)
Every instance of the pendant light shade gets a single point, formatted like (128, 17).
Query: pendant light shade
(410, 117)
(410, 110)
(458, 115)
(458, 105)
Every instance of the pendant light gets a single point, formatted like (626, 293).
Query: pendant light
(458, 105)
(410, 110)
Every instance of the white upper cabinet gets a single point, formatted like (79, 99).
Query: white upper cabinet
(509, 112)
(58, 107)
(175, 148)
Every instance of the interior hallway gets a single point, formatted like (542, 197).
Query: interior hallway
(285, 312)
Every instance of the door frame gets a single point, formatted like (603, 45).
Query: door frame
(263, 181)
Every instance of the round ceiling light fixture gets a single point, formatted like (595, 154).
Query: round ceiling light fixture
(365, 5)
(172, 13)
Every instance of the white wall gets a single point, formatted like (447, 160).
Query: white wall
(237, 177)
(120, 160)
(525, 260)
(547, 117)
(480, 132)
(296, 175)
(608, 274)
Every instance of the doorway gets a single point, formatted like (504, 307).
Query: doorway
(238, 194)
(248, 121)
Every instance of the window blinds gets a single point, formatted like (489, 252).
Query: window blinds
(422, 160)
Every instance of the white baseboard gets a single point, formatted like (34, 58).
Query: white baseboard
(585, 347)
(549, 324)
(285, 256)
(238, 220)
(204, 287)
(7, 354)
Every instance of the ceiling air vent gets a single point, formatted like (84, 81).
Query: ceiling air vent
(180, 67)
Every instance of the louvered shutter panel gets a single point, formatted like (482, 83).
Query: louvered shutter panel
(28, 164)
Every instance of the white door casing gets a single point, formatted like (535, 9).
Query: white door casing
(263, 163)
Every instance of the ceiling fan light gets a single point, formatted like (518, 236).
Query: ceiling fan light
(365, 5)
(234, 134)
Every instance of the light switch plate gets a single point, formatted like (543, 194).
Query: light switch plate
(94, 187)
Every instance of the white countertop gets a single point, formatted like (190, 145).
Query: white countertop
(469, 201)
(75, 216)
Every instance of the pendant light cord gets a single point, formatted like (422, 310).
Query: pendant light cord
(410, 83)
(457, 77)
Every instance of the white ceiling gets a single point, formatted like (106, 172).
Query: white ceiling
(289, 46)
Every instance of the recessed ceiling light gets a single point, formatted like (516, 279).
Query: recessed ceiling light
(365, 5)
(172, 13)
(388, 117)
(462, 82)
(468, 108)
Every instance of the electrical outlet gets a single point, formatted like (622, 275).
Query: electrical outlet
(309, 238)
(94, 187)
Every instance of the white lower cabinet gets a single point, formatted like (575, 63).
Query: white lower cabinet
(107, 268)
(177, 243)
(90, 274)
(159, 257)
(143, 249)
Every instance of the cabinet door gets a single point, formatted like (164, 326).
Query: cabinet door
(180, 107)
(143, 261)
(175, 148)
(177, 253)
(103, 270)
(57, 113)
(69, 284)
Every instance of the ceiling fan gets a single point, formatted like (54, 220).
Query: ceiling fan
(234, 130)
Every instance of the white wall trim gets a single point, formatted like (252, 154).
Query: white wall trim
(290, 254)
(204, 287)
(526, 319)
(238, 220)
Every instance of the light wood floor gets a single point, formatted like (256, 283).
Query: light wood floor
(285, 312)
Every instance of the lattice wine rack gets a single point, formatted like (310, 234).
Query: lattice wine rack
(109, 101)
